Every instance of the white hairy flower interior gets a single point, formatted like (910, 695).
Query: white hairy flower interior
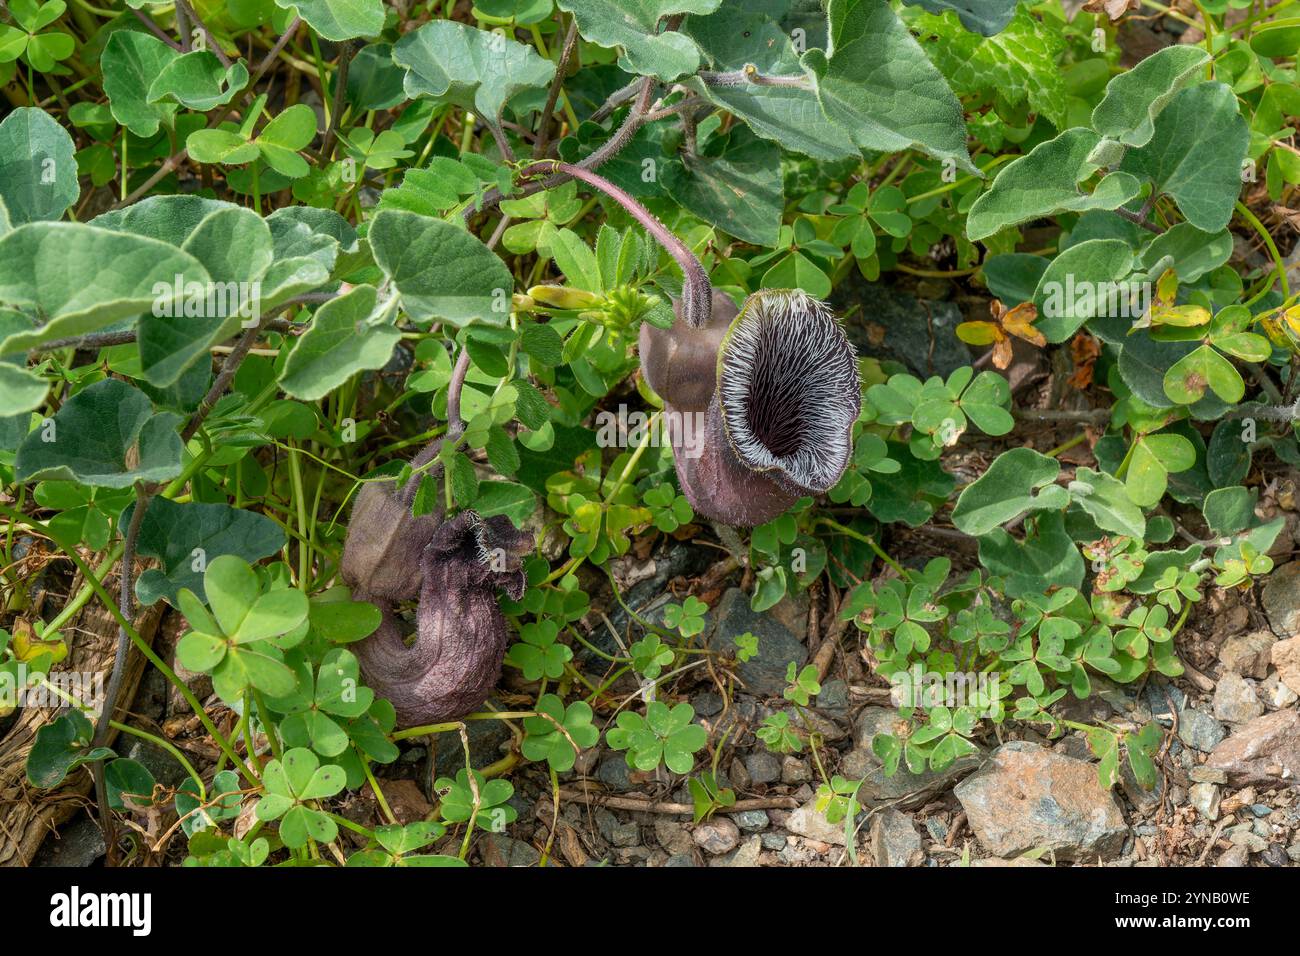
(789, 388)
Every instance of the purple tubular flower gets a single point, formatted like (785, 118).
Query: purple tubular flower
(381, 556)
(461, 634)
(777, 386)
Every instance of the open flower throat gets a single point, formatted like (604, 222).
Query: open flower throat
(788, 387)
(776, 384)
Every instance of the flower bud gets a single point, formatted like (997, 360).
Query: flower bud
(564, 297)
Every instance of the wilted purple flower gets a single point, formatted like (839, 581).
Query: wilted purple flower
(461, 634)
(381, 556)
(777, 384)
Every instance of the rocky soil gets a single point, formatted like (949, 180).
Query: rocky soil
(1227, 793)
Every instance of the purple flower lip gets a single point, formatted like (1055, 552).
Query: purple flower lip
(381, 555)
(777, 382)
(789, 390)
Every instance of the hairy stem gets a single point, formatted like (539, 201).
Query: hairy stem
(697, 293)
(553, 96)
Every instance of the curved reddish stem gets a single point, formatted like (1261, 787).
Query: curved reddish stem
(697, 293)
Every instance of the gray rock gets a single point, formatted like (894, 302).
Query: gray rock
(894, 840)
(717, 835)
(1245, 835)
(744, 856)
(707, 703)
(834, 697)
(763, 674)
(585, 761)
(1205, 797)
(501, 850)
(1281, 599)
(615, 831)
(751, 821)
(1235, 699)
(613, 771)
(1286, 658)
(485, 740)
(908, 791)
(1276, 855)
(1234, 856)
(1247, 654)
(79, 844)
(1276, 693)
(829, 730)
(857, 763)
(795, 771)
(1264, 752)
(673, 836)
(872, 721)
(740, 778)
(777, 841)
(891, 328)
(808, 821)
(681, 859)
(1028, 797)
(1199, 730)
(1207, 774)
(1159, 694)
(994, 861)
(763, 767)
(165, 768)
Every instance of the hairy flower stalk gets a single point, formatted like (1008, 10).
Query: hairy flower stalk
(460, 632)
(776, 384)
(697, 294)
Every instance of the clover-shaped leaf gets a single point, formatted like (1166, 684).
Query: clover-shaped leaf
(42, 49)
(539, 654)
(320, 708)
(494, 812)
(545, 741)
(292, 786)
(61, 746)
(240, 642)
(687, 617)
(397, 846)
(223, 802)
(663, 735)
(803, 683)
(650, 656)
